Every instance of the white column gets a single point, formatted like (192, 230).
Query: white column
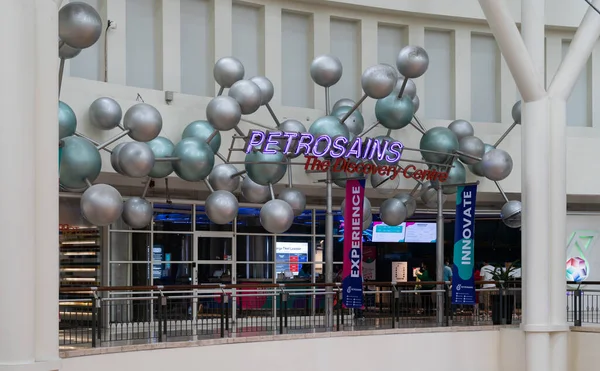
(272, 49)
(116, 48)
(321, 45)
(170, 45)
(462, 73)
(17, 149)
(46, 184)
(222, 31)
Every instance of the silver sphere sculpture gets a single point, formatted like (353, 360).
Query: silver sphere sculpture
(137, 213)
(496, 164)
(416, 103)
(516, 112)
(162, 148)
(410, 203)
(101, 205)
(227, 71)
(266, 89)
(80, 160)
(248, 96)
(196, 159)
(291, 126)
(429, 196)
(136, 159)
(477, 168)
(384, 184)
(295, 198)
(394, 113)
(366, 208)
(355, 122)
(221, 207)
(222, 178)
(255, 193)
(223, 113)
(412, 61)
(367, 223)
(329, 126)
(114, 158)
(79, 25)
(384, 162)
(472, 146)
(456, 175)
(143, 121)
(67, 52)
(379, 81)
(440, 140)
(326, 70)
(67, 121)
(344, 102)
(393, 212)
(276, 216)
(410, 89)
(511, 214)
(461, 128)
(203, 130)
(265, 168)
(105, 113)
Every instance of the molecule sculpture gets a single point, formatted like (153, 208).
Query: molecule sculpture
(151, 156)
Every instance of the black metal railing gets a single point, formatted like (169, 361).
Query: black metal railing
(135, 315)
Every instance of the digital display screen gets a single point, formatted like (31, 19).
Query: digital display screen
(289, 256)
(409, 232)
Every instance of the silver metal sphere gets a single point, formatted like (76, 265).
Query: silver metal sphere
(326, 70)
(291, 126)
(136, 159)
(67, 52)
(276, 216)
(263, 170)
(196, 159)
(79, 25)
(394, 113)
(429, 196)
(80, 160)
(511, 214)
(266, 89)
(295, 198)
(137, 213)
(114, 158)
(416, 103)
(410, 90)
(497, 164)
(379, 81)
(477, 168)
(516, 112)
(339, 178)
(355, 122)
(409, 202)
(472, 146)
(67, 121)
(227, 71)
(248, 96)
(203, 130)
(367, 223)
(101, 205)
(344, 102)
(223, 113)
(461, 128)
(221, 207)
(441, 140)
(255, 193)
(161, 147)
(330, 126)
(412, 61)
(367, 209)
(144, 121)
(221, 178)
(393, 212)
(384, 184)
(105, 113)
(456, 175)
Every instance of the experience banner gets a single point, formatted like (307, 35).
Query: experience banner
(463, 281)
(352, 282)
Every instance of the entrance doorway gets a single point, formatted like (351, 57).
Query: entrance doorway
(214, 256)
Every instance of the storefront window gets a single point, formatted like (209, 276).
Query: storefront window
(172, 218)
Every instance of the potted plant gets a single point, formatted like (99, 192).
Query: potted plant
(503, 305)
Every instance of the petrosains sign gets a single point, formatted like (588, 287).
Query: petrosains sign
(341, 155)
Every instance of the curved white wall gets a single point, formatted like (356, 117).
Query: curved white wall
(267, 33)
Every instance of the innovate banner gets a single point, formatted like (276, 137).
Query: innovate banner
(352, 283)
(463, 282)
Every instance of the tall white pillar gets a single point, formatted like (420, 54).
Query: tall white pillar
(28, 201)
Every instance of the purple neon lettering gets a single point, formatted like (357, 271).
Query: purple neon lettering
(256, 139)
(395, 150)
(303, 145)
(290, 140)
(355, 148)
(272, 142)
(382, 150)
(339, 145)
(315, 149)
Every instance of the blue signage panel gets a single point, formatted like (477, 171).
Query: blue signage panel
(463, 281)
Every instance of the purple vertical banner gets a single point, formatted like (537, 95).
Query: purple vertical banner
(352, 283)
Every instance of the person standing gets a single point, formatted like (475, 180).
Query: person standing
(447, 271)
